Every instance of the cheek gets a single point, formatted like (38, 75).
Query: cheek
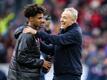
(65, 21)
(37, 22)
(68, 21)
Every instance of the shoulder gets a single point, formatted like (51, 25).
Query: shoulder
(18, 31)
(27, 37)
(77, 29)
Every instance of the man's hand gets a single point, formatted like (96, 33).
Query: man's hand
(47, 64)
(29, 30)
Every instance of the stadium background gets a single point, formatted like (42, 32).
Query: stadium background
(92, 19)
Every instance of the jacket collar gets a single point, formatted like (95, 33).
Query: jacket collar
(71, 27)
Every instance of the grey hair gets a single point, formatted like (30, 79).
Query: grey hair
(74, 13)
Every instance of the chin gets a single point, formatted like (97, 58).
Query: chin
(63, 26)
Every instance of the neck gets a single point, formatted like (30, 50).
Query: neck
(68, 25)
(72, 23)
(31, 25)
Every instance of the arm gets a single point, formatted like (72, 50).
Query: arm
(71, 37)
(25, 52)
(48, 49)
(28, 61)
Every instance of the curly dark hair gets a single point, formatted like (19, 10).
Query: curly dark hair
(33, 9)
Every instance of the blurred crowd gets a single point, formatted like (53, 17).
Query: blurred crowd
(92, 19)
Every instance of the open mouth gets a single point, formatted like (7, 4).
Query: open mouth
(62, 23)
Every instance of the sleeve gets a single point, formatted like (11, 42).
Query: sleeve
(18, 31)
(47, 49)
(25, 52)
(71, 37)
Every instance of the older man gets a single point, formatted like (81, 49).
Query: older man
(66, 46)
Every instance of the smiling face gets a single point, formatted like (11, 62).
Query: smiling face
(37, 20)
(35, 15)
(68, 17)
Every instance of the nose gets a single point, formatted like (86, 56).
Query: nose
(43, 20)
(61, 20)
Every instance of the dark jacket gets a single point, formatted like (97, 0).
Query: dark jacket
(18, 31)
(67, 48)
(25, 63)
(2, 75)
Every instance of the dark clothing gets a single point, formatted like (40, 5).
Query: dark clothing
(67, 77)
(26, 63)
(18, 31)
(67, 48)
(2, 76)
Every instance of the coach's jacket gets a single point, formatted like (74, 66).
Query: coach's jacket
(66, 48)
(25, 63)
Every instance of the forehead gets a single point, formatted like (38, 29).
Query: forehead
(66, 13)
(39, 15)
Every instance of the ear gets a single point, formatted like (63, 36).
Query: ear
(31, 19)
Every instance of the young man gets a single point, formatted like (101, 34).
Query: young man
(26, 63)
(66, 46)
